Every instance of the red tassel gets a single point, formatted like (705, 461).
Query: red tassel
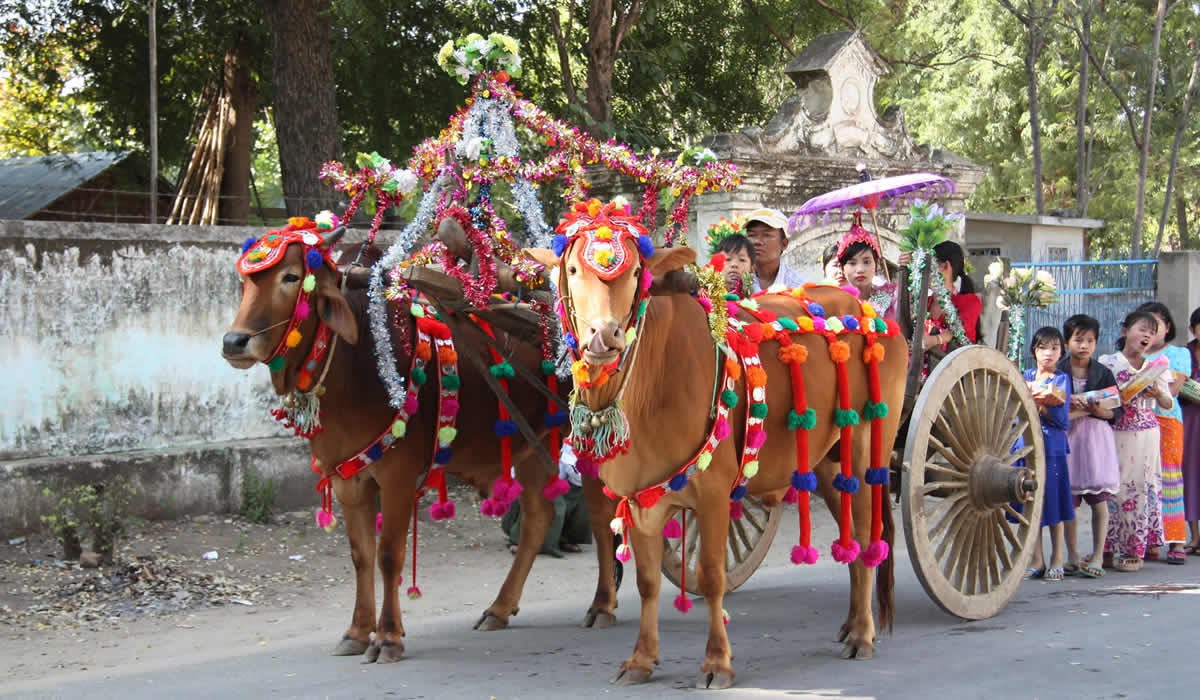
(682, 604)
(876, 446)
(847, 454)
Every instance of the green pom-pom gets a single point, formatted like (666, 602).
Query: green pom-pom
(399, 428)
(729, 397)
(642, 307)
(844, 417)
(703, 460)
(450, 382)
(503, 370)
(417, 311)
(309, 283)
(788, 324)
(875, 410)
(419, 376)
(277, 364)
(547, 367)
(730, 297)
(758, 410)
(806, 420)
(880, 325)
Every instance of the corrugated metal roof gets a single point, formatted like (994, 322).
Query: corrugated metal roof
(29, 184)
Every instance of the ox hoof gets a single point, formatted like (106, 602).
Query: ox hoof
(843, 633)
(631, 676)
(489, 622)
(384, 652)
(715, 681)
(858, 653)
(599, 619)
(350, 647)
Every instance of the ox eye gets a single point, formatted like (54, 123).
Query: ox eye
(290, 278)
(571, 270)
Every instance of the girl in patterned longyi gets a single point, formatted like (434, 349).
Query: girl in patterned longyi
(1137, 436)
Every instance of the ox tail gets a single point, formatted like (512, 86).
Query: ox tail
(885, 573)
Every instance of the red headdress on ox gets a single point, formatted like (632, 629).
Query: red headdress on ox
(858, 234)
(317, 239)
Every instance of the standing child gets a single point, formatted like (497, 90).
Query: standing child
(1138, 449)
(1191, 442)
(739, 263)
(1052, 392)
(1092, 463)
(1169, 508)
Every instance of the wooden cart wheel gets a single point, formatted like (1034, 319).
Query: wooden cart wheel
(749, 539)
(968, 545)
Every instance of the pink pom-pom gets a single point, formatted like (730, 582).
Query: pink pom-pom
(647, 279)
(805, 555)
(500, 491)
(410, 403)
(413, 593)
(818, 324)
(706, 304)
(672, 530)
(324, 518)
(302, 310)
(555, 488)
(792, 495)
(876, 553)
(731, 308)
(499, 509)
(682, 603)
(845, 553)
(436, 511)
(721, 430)
(487, 507)
(588, 467)
(756, 439)
(624, 553)
(849, 289)
(448, 510)
(514, 490)
(449, 408)
(735, 510)
(378, 522)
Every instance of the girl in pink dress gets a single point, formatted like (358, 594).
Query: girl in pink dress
(860, 260)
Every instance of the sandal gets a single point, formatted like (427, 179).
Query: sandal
(1176, 557)
(1129, 565)
(1088, 568)
(1034, 573)
(1192, 549)
(1071, 570)
(1055, 574)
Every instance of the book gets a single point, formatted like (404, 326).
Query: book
(1109, 398)
(1147, 375)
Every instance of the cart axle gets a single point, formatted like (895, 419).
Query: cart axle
(992, 482)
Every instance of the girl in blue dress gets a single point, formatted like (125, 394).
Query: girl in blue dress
(1051, 389)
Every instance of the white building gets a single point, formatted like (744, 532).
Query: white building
(1026, 237)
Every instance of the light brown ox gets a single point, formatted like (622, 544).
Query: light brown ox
(355, 411)
(667, 401)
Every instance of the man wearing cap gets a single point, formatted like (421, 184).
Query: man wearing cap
(764, 228)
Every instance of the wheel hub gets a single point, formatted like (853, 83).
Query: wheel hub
(992, 482)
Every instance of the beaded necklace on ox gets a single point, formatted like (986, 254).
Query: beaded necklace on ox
(600, 435)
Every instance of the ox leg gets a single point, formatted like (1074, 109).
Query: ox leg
(536, 515)
(358, 509)
(648, 553)
(398, 495)
(600, 512)
(857, 633)
(717, 670)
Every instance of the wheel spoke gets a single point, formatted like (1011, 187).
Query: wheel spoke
(971, 561)
(1019, 454)
(951, 436)
(1006, 528)
(959, 502)
(952, 473)
(935, 485)
(1017, 515)
(748, 514)
(1009, 440)
(747, 542)
(953, 530)
(942, 507)
(966, 543)
(734, 546)
(949, 455)
(1012, 406)
(997, 549)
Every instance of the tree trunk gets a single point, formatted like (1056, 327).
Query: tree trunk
(306, 121)
(1185, 240)
(1188, 96)
(1035, 127)
(598, 91)
(243, 104)
(1082, 175)
(1139, 205)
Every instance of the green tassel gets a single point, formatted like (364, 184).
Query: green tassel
(450, 382)
(875, 410)
(788, 324)
(758, 410)
(730, 297)
(419, 376)
(844, 417)
(806, 420)
(277, 364)
(547, 367)
(729, 397)
(503, 371)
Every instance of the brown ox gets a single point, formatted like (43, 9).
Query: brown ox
(669, 394)
(355, 411)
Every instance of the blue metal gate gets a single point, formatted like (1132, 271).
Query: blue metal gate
(1103, 289)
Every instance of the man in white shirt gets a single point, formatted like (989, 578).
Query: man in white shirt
(765, 229)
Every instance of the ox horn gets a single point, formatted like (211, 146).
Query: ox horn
(331, 239)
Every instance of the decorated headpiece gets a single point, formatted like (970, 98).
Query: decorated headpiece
(604, 229)
(858, 234)
(267, 251)
(724, 228)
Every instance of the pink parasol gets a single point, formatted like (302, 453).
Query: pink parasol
(868, 195)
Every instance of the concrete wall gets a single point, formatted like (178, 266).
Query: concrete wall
(1179, 288)
(112, 339)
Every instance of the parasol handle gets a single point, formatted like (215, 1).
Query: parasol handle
(879, 245)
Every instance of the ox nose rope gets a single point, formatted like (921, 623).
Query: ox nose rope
(271, 327)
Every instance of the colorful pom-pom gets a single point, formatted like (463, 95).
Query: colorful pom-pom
(248, 244)
(547, 367)
(559, 244)
(872, 410)
(845, 553)
(302, 310)
(678, 481)
(881, 326)
(729, 397)
(616, 525)
(410, 403)
(717, 263)
(487, 507)
(845, 484)
(378, 522)
(587, 466)
(414, 593)
(876, 553)
(877, 476)
(277, 364)
(703, 460)
(705, 304)
(645, 246)
(724, 617)
(751, 469)
(417, 311)
(570, 340)
(735, 510)
(293, 338)
(624, 553)
(818, 325)
(399, 428)
(788, 324)
(804, 482)
(791, 495)
(682, 603)
(647, 280)
(450, 408)
(451, 382)
(419, 377)
(555, 488)
(309, 283)
(805, 555)
(738, 494)
(630, 336)
(834, 325)
(805, 323)
(555, 420)
(503, 370)
(672, 530)
(326, 521)
(313, 259)
(850, 322)
(446, 434)
(816, 310)
(756, 438)
(758, 410)
(442, 456)
(375, 452)
(721, 430)
(839, 350)
(844, 417)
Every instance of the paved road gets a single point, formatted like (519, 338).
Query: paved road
(1075, 639)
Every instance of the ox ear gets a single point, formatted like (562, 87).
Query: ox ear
(545, 256)
(666, 259)
(335, 310)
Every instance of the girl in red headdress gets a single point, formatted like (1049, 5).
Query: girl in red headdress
(861, 261)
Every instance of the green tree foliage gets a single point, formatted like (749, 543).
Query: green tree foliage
(41, 110)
